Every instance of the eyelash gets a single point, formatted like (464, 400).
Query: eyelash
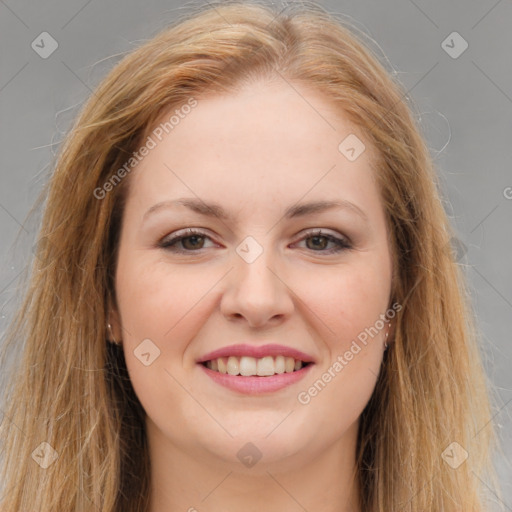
(169, 244)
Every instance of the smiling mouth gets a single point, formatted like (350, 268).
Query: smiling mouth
(246, 366)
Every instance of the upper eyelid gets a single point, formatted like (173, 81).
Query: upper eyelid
(179, 235)
(188, 232)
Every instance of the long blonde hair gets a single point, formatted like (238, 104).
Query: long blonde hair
(70, 388)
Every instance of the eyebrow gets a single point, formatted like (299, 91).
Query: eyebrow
(217, 211)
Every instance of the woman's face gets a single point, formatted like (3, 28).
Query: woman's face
(249, 174)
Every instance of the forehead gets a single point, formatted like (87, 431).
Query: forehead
(277, 141)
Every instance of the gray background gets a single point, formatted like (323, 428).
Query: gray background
(466, 115)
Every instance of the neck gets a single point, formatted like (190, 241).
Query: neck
(199, 482)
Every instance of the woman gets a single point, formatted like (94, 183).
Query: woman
(244, 294)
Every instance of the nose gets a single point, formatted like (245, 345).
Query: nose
(256, 293)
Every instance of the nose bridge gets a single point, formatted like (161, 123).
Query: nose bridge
(253, 265)
(255, 291)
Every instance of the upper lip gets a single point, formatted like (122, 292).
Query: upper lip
(257, 352)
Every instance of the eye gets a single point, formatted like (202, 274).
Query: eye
(193, 240)
(319, 241)
(190, 241)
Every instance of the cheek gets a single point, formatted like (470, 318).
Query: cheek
(154, 298)
(348, 300)
(165, 306)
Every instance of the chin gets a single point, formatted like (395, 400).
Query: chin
(255, 449)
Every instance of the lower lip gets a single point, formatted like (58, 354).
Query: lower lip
(256, 385)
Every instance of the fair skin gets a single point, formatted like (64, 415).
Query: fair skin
(255, 153)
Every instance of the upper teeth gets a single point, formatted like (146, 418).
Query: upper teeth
(248, 366)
